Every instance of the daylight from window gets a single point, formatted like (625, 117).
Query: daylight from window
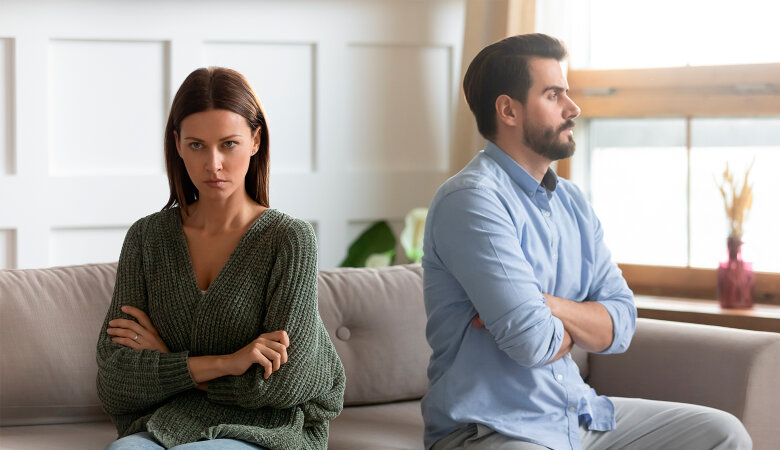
(669, 33)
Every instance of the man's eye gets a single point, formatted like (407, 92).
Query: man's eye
(196, 145)
(230, 144)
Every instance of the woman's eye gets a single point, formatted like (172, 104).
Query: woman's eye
(230, 144)
(196, 145)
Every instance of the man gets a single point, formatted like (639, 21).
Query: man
(516, 272)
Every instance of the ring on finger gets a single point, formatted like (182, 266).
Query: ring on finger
(136, 337)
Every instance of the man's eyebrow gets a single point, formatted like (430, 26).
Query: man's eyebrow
(555, 88)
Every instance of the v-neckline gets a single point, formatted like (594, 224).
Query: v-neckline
(191, 268)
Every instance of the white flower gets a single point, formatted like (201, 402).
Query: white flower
(379, 260)
(412, 235)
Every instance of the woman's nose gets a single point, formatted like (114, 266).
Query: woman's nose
(214, 161)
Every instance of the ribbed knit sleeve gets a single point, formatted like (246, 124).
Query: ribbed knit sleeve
(313, 375)
(131, 381)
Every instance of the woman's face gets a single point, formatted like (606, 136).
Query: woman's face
(216, 146)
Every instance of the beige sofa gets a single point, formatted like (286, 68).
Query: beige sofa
(50, 319)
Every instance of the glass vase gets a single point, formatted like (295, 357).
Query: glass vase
(735, 278)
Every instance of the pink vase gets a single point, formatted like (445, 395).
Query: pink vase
(735, 278)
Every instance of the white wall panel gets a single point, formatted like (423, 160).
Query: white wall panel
(359, 113)
(6, 107)
(107, 103)
(7, 249)
(283, 77)
(85, 245)
(399, 106)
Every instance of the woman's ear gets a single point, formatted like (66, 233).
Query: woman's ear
(178, 145)
(256, 141)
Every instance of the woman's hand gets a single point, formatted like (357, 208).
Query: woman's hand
(269, 350)
(139, 335)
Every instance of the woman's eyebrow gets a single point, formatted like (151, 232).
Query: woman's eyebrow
(192, 138)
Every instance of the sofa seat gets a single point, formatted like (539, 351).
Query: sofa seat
(387, 426)
(85, 436)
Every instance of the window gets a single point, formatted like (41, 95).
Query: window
(670, 92)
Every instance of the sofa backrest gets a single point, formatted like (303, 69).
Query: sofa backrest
(49, 325)
(376, 319)
(50, 319)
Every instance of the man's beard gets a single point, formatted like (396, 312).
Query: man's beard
(546, 141)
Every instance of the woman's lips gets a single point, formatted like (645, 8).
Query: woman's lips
(216, 183)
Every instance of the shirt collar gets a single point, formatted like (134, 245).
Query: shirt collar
(518, 174)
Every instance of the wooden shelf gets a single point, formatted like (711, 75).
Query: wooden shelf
(708, 312)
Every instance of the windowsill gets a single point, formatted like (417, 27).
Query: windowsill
(761, 317)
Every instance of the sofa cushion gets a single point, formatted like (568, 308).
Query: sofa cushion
(82, 436)
(389, 426)
(376, 319)
(48, 331)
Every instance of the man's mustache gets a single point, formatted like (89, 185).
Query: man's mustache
(566, 125)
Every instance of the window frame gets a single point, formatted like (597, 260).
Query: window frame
(747, 90)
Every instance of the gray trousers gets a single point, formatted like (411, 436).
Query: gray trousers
(640, 424)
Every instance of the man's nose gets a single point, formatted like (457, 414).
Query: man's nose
(571, 111)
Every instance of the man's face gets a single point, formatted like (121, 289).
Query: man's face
(549, 113)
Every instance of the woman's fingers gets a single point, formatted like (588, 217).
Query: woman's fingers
(127, 324)
(279, 348)
(127, 342)
(139, 315)
(123, 332)
(278, 336)
(261, 359)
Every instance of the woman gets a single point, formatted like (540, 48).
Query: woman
(213, 330)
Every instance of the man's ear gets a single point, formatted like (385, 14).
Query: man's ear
(178, 145)
(507, 111)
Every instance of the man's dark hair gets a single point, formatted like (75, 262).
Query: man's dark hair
(502, 68)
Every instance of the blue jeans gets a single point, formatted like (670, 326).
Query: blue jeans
(145, 441)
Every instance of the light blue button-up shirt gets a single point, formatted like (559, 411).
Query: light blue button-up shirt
(495, 240)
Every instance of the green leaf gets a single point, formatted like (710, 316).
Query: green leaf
(378, 238)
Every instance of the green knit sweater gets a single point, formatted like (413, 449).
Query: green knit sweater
(269, 283)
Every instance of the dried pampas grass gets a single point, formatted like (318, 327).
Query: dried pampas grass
(737, 198)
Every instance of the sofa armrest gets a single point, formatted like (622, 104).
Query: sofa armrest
(724, 368)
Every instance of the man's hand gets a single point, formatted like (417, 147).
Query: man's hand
(140, 335)
(589, 323)
(566, 345)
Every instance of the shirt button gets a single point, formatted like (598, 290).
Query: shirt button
(555, 256)
(571, 409)
(559, 377)
(530, 192)
(547, 214)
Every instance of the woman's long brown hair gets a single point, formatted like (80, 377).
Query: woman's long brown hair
(204, 90)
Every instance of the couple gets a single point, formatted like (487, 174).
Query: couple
(213, 331)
